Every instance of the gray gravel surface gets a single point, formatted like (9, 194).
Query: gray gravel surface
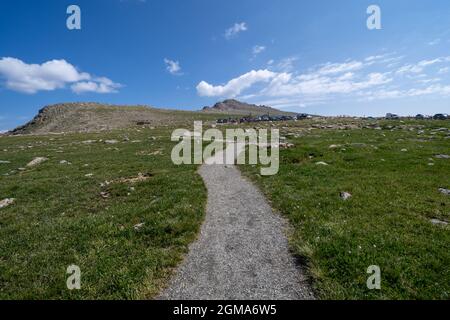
(242, 251)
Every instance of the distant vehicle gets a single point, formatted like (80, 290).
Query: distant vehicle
(392, 116)
(420, 117)
(440, 116)
(301, 116)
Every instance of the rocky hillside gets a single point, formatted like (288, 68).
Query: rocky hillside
(94, 117)
(235, 107)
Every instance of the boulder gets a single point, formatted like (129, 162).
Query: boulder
(36, 161)
(345, 195)
(6, 202)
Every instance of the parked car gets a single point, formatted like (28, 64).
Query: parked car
(392, 116)
(420, 117)
(440, 116)
(301, 116)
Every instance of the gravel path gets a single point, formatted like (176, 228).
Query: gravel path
(242, 251)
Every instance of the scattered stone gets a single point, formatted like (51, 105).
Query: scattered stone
(88, 141)
(65, 162)
(89, 175)
(111, 141)
(21, 169)
(138, 226)
(404, 150)
(36, 161)
(6, 202)
(286, 145)
(140, 178)
(4, 162)
(104, 194)
(335, 146)
(445, 191)
(442, 156)
(345, 195)
(321, 163)
(104, 184)
(438, 222)
(358, 145)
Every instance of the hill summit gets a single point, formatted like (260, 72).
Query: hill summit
(232, 106)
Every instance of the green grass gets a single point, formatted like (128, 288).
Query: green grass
(60, 219)
(385, 223)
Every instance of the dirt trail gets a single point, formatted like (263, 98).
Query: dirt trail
(242, 251)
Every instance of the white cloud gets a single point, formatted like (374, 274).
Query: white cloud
(444, 70)
(364, 79)
(102, 85)
(333, 68)
(434, 42)
(48, 76)
(173, 67)
(235, 86)
(235, 30)
(287, 64)
(258, 49)
(420, 66)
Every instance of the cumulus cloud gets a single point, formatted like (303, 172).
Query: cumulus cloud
(100, 85)
(48, 76)
(235, 86)
(364, 79)
(233, 31)
(173, 67)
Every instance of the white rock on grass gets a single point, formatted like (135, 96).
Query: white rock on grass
(321, 163)
(6, 202)
(445, 191)
(442, 156)
(334, 146)
(36, 161)
(111, 141)
(4, 162)
(138, 226)
(345, 195)
(437, 222)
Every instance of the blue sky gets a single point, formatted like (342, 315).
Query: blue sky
(316, 57)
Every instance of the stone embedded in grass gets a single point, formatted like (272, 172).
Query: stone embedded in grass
(442, 156)
(138, 226)
(111, 141)
(6, 202)
(345, 195)
(445, 191)
(89, 175)
(4, 162)
(404, 150)
(321, 163)
(65, 162)
(334, 146)
(104, 194)
(438, 222)
(286, 145)
(37, 161)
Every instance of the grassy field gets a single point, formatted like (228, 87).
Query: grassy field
(394, 178)
(127, 232)
(126, 236)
